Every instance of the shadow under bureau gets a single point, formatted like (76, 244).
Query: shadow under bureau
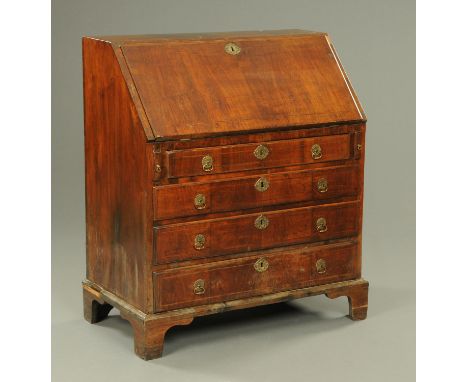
(223, 171)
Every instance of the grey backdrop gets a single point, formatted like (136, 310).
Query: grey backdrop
(307, 339)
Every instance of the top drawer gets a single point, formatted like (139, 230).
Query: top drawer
(213, 160)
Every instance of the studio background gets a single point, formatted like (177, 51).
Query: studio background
(305, 339)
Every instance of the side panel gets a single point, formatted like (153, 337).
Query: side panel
(119, 166)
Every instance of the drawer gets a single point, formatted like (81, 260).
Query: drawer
(214, 237)
(213, 160)
(191, 199)
(255, 275)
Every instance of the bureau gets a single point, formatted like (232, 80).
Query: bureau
(223, 171)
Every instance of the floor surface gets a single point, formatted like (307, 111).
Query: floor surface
(307, 339)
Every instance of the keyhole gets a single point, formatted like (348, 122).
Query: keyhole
(232, 48)
(261, 184)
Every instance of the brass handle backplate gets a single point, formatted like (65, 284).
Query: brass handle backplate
(321, 266)
(261, 265)
(199, 242)
(321, 225)
(207, 163)
(316, 151)
(262, 184)
(261, 152)
(262, 222)
(199, 286)
(322, 185)
(199, 201)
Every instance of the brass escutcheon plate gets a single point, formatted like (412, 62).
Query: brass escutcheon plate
(231, 48)
(316, 151)
(262, 184)
(207, 163)
(199, 242)
(261, 265)
(199, 286)
(261, 152)
(321, 266)
(262, 222)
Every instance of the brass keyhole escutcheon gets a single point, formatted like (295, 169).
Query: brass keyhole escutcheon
(207, 163)
(199, 242)
(321, 225)
(316, 151)
(261, 265)
(261, 222)
(199, 286)
(261, 152)
(262, 184)
(199, 201)
(231, 48)
(322, 185)
(321, 266)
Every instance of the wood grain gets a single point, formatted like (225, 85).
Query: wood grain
(194, 88)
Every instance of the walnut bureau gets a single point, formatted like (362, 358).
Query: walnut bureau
(223, 171)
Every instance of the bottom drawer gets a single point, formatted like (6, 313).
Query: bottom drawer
(261, 273)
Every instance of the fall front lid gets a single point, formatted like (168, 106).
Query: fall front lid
(228, 84)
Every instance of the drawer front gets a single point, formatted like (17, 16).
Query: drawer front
(256, 275)
(246, 233)
(252, 192)
(213, 160)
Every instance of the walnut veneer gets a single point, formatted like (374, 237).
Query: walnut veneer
(223, 171)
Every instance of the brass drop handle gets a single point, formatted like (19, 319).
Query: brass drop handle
(316, 151)
(322, 185)
(261, 152)
(207, 163)
(321, 266)
(261, 222)
(321, 225)
(199, 242)
(199, 286)
(261, 265)
(262, 184)
(199, 201)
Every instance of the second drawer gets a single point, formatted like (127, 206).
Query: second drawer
(202, 239)
(193, 199)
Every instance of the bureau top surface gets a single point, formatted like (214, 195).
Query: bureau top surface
(203, 85)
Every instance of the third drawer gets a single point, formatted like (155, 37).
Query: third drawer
(214, 237)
